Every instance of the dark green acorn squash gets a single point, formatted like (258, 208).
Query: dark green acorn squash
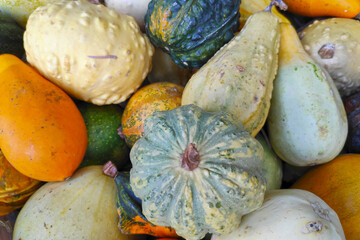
(191, 31)
(11, 36)
(197, 171)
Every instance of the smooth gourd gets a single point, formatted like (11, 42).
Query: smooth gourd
(334, 43)
(239, 78)
(91, 51)
(196, 171)
(289, 214)
(307, 122)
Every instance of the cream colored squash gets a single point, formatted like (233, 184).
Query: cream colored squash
(289, 214)
(83, 207)
(90, 51)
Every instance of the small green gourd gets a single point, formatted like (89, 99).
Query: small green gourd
(239, 78)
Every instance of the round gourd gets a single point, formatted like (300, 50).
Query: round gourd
(161, 96)
(289, 214)
(338, 184)
(196, 171)
(334, 43)
(191, 31)
(91, 51)
(15, 188)
(83, 207)
(352, 107)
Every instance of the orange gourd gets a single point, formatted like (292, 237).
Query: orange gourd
(160, 96)
(42, 133)
(338, 184)
(320, 8)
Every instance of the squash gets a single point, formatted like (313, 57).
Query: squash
(89, 50)
(151, 98)
(239, 78)
(7, 225)
(307, 122)
(83, 207)
(11, 36)
(131, 219)
(15, 188)
(321, 8)
(191, 31)
(352, 107)
(338, 184)
(334, 43)
(196, 171)
(43, 134)
(289, 214)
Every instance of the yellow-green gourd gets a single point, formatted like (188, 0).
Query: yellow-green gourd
(91, 51)
(239, 78)
(307, 122)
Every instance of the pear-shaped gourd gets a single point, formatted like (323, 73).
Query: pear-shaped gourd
(238, 79)
(307, 121)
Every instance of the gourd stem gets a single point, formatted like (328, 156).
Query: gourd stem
(109, 169)
(190, 159)
(279, 3)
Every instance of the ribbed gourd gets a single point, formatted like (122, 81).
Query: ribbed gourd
(196, 171)
(191, 31)
(239, 78)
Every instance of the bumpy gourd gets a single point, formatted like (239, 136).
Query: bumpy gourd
(334, 44)
(92, 52)
(239, 78)
(307, 121)
(197, 171)
(191, 31)
(289, 214)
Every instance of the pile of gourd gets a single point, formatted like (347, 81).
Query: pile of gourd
(171, 119)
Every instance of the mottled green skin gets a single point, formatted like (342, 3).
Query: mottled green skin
(104, 143)
(191, 31)
(227, 183)
(11, 36)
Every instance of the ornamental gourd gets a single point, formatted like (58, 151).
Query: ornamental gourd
(196, 171)
(191, 31)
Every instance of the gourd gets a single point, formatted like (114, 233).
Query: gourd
(307, 122)
(161, 96)
(15, 188)
(131, 219)
(334, 44)
(338, 184)
(191, 31)
(239, 78)
(43, 134)
(289, 214)
(320, 8)
(83, 207)
(11, 36)
(196, 171)
(352, 108)
(89, 50)
(136, 9)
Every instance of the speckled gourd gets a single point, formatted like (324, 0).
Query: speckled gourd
(196, 171)
(307, 122)
(289, 214)
(334, 43)
(92, 52)
(239, 78)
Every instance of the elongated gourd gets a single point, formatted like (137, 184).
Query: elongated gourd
(307, 121)
(239, 78)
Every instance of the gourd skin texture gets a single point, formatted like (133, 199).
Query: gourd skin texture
(289, 214)
(338, 183)
(90, 51)
(191, 31)
(342, 37)
(83, 207)
(43, 134)
(226, 184)
(239, 78)
(307, 121)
